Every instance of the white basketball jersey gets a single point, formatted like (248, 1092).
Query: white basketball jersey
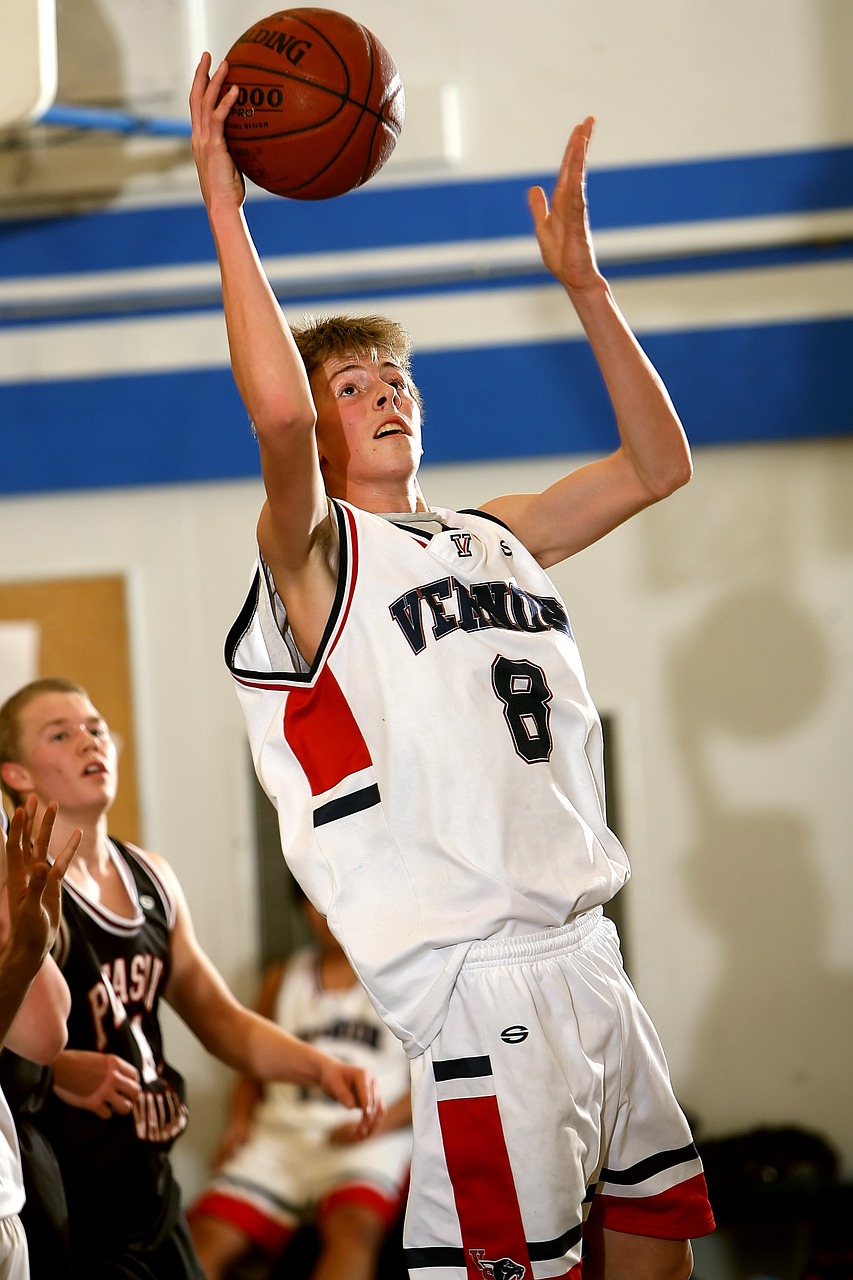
(438, 771)
(341, 1022)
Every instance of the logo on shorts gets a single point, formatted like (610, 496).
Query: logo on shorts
(498, 1268)
(514, 1035)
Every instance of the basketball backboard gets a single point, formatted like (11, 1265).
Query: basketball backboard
(28, 60)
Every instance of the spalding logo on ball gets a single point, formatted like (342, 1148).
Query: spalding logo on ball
(320, 107)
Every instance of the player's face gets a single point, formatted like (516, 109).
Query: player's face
(368, 422)
(67, 754)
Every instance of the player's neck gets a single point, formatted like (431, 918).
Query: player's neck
(93, 854)
(382, 498)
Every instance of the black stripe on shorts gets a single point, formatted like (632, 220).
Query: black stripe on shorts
(463, 1068)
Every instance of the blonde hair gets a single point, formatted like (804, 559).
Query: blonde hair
(323, 338)
(10, 720)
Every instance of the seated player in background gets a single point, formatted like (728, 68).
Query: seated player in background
(290, 1155)
(126, 941)
(34, 1003)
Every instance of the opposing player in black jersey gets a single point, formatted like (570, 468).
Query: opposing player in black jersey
(127, 942)
(417, 708)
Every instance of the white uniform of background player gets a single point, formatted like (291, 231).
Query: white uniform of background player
(289, 1167)
(468, 899)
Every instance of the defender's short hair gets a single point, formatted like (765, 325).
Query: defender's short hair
(10, 719)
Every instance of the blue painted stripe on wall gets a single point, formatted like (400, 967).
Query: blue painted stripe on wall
(375, 217)
(739, 385)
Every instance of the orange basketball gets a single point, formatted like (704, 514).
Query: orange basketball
(321, 104)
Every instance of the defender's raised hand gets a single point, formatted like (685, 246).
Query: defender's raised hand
(34, 886)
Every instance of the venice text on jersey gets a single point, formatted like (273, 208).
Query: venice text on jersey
(452, 606)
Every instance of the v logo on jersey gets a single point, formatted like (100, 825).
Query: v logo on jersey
(462, 542)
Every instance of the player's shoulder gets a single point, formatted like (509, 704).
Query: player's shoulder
(159, 870)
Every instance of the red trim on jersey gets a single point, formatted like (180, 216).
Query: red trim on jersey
(681, 1213)
(253, 1222)
(483, 1185)
(321, 731)
(367, 1196)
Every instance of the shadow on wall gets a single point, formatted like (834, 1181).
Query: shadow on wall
(774, 1043)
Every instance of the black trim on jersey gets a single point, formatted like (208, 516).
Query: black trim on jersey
(651, 1165)
(547, 1250)
(250, 606)
(441, 1255)
(452, 1256)
(486, 515)
(356, 802)
(462, 1068)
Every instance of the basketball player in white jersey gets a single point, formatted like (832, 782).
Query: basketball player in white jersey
(417, 710)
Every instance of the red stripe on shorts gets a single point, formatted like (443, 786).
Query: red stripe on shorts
(362, 1194)
(263, 1231)
(483, 1185)
(682, 1212)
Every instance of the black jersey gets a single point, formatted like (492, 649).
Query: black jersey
(117, 1174)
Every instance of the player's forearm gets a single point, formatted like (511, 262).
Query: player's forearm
(245, 1097)
(398, 1115)
(267, 368)
(265, 1052)
(649, 427)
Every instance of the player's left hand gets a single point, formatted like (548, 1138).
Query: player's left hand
(353, 1087)
(562, 227)
(34, 886)
(348, 1133)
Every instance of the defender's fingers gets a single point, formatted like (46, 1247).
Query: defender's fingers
(45, 831)
(64, 859)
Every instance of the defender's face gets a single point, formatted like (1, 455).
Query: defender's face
(368, 422)
(67, 754)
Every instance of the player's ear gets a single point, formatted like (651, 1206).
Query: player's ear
(16, 776)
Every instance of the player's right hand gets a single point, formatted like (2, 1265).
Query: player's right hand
(353, 1087)
(218, 176)
(99, 1082)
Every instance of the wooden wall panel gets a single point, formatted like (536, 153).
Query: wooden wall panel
(84, 637)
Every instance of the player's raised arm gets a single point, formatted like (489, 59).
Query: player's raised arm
(267, 368)
(653, 458)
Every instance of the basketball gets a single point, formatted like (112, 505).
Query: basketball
(320, 106)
